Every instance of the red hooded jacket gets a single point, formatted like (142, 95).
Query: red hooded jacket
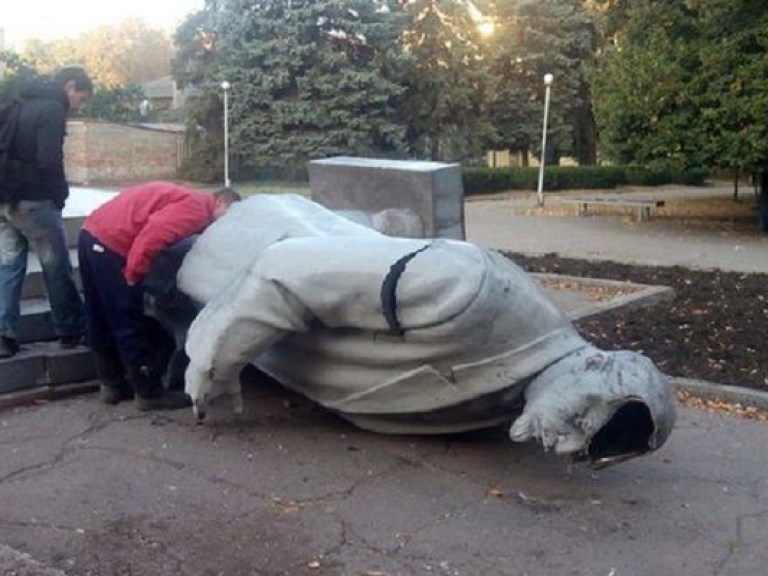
(142, 220)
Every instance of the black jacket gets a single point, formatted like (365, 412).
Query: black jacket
(39, 142)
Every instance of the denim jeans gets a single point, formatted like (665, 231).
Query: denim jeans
(37, 225)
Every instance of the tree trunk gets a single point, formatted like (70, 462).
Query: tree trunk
(762, 201)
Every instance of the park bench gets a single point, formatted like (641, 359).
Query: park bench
(643, 207)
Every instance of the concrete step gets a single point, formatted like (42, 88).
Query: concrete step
(43, 364)
(36, 322)
(34, 285)
(81, 202)
(72, 225)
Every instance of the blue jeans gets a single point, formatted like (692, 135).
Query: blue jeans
(37, 225)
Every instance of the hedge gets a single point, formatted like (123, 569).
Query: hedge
(481, 180)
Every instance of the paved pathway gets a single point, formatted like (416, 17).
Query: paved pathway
(512, 224)
(290, 490)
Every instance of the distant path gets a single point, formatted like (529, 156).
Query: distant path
(499, 223)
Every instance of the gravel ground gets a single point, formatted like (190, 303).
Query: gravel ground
(714, 329)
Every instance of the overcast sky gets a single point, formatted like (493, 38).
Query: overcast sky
(49, 19)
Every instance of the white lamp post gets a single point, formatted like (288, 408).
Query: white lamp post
(548, 78)
(226, 86)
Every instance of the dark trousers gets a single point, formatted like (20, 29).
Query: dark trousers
(114, 310)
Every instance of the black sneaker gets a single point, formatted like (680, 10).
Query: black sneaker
(8, 347)
(69, 342)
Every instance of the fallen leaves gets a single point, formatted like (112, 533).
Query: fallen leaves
(712, 330)
(721, 406)
(592, 290)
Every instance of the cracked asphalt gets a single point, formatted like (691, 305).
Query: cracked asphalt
(289, 489)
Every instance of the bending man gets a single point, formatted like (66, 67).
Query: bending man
(117, 245)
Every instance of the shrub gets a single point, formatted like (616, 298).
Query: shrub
(694, 176)
(483, 180)
(288, 172)
(203, 163)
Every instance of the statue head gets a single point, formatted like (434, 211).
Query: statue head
(596, 406)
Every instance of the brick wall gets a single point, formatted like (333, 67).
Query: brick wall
(103, 152)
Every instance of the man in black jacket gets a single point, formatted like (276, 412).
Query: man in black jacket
(34, 217)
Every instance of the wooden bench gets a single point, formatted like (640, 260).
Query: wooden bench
(643, 207)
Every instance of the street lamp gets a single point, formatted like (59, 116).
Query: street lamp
(226, 86)
(548, 78)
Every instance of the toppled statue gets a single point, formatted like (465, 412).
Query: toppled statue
(406, 336)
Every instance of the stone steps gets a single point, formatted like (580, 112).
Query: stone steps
(34, 286)
(36, 323)
(42, 369)
(45, 364)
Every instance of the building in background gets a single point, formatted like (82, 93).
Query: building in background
(167, 100)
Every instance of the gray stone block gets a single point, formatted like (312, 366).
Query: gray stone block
(72, 225)
(45, 364)
(67, 366)
(433, 190)
(34, 286)
(21, 371)
(36, 322)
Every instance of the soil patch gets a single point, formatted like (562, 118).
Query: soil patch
(714, 329)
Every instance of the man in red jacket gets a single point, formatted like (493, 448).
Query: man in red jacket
(115, 249)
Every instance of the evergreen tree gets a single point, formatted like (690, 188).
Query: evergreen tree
(686, 84)
(730, 90)
(309, 78)
(641, 96)
(534, 38)
(115, 104)
(446, 81)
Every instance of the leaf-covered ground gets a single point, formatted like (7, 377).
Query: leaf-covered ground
(715, 329)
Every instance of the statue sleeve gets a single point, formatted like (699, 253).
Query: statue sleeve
(239, 324)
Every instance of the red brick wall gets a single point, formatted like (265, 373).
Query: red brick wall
(103, 152)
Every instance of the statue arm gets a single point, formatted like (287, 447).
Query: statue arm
(256, 311)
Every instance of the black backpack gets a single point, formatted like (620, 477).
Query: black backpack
(9, 166)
